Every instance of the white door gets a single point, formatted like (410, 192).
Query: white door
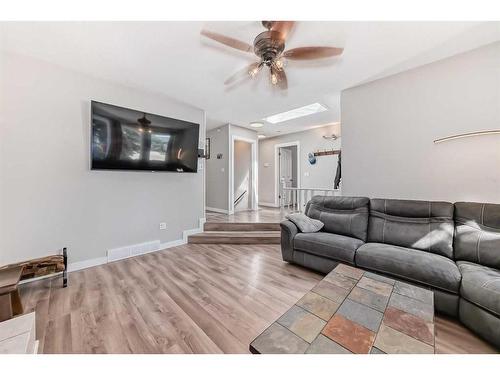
(285, 176)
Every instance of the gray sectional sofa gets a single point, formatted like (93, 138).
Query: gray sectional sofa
(453, 249)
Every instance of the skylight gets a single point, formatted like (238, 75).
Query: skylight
(296, 113)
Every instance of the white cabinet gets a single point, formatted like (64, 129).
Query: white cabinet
(17, 335)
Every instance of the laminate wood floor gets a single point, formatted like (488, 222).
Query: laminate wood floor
(188, 299)
(261, 215)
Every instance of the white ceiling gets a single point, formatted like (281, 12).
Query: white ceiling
(172, 58)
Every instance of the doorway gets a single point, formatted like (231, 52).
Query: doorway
(242, 174)
(243, 170)
(287, 172)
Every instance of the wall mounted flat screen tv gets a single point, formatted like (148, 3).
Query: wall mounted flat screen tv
(126, 139)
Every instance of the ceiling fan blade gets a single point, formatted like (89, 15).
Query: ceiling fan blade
(283, 27)
(311, 53)
(249, 72)
(228, 41)
(282, 80)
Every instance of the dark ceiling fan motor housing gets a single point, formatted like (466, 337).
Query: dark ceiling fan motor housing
(269, 45)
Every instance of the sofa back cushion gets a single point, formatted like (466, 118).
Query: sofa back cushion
(420, 225)
(477, 233)
(347, 216)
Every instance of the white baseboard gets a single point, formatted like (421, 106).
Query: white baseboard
(132, 250)
(218, 210)
(76, 266)
(268, 204)
(168, 245)
(202, 221)
(189, 232)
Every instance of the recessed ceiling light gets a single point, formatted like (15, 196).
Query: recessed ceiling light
(296, 113)
(261, 136)
(256, 124)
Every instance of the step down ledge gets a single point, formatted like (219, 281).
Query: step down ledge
(214, 237)
(235, 227)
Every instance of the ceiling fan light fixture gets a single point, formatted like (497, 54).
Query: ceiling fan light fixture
(274, 78)
(253, 72)
(273, 74)
(279, 64)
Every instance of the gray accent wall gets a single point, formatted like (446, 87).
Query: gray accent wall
(389, 126)
(49, 197)
(320, 175)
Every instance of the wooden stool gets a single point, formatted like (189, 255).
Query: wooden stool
(10, 300)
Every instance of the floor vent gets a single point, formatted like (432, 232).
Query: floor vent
(133, 250)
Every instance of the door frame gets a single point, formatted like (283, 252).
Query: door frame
(276, 167)
(254, 172)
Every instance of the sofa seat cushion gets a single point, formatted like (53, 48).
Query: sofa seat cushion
(414, 265)
(328, 245)
(481, 286)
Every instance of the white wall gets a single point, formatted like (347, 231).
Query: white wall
(50, 198)
(319, 175)
(217, 171)
(389, 126)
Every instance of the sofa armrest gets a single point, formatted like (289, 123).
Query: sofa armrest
(288, 232)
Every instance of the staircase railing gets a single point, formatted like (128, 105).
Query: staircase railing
(297, 198)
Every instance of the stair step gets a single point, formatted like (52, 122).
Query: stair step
(236, 237)
(241, 227)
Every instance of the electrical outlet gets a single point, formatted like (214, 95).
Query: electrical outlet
(163, 226)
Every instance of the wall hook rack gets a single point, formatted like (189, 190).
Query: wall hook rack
(326, 152)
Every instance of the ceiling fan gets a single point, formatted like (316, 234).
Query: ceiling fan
(269, 46)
